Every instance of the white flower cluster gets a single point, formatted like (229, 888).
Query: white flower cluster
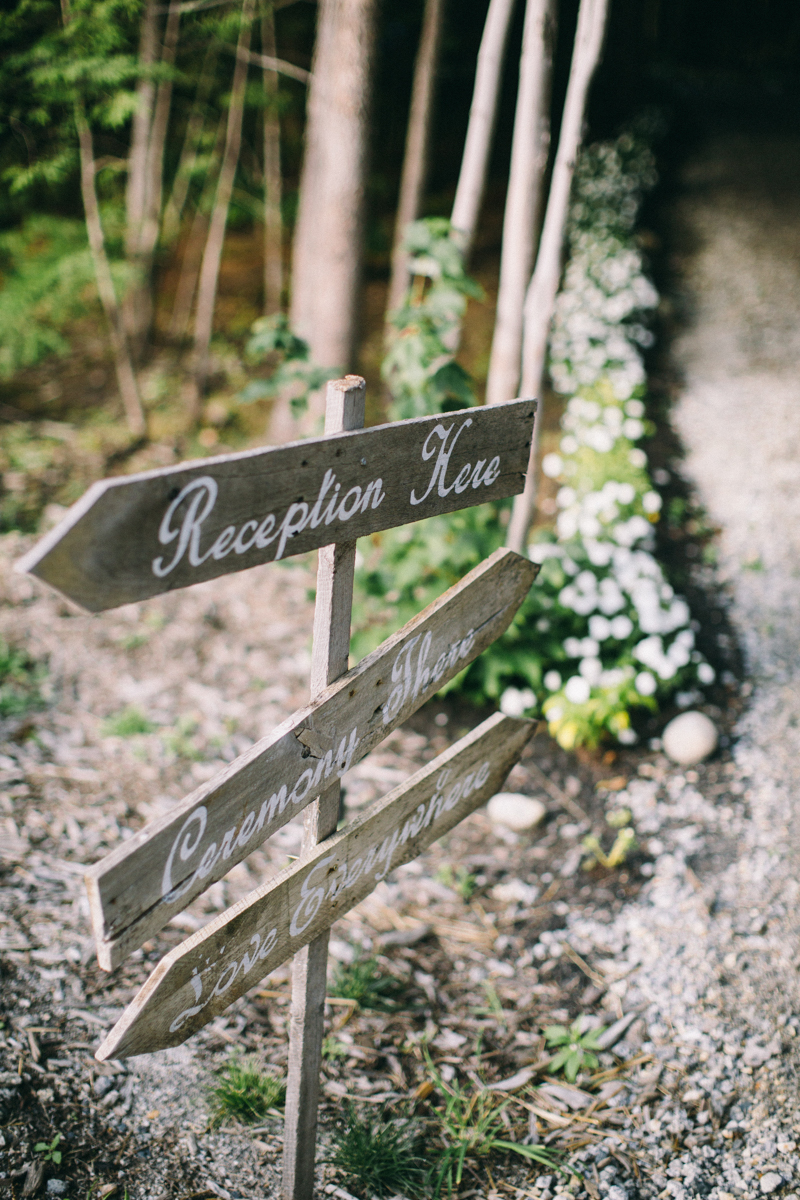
(605, 531)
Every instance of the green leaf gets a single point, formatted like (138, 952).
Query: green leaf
(556, 1035)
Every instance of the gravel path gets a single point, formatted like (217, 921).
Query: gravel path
(718, 945)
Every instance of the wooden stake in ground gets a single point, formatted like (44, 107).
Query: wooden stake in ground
(345, 401)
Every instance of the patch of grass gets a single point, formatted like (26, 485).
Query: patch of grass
(19, 682)
(361, 980)
(382, 1157)
(128, 723)
(245, 1093)
(474, 1126)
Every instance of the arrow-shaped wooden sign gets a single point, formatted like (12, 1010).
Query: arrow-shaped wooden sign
(156, 873)
(200, 978)
(141, 535)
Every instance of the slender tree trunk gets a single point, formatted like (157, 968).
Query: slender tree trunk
(209, 271)
(327, 241)
(126, 377)
(195, 244)
(415, 161)
(482, 114)
(526, 179)
(136, 302)
(173, 209)
(273, 225)
(543, 287)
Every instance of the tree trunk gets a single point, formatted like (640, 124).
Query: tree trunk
(173, 209)
(195, 243)
(273, 225)
(145, 172)
(528, 164)
(543, 287)
(327, 241)
(126, 377)
(482, 114)
(415, 161)
(136, 303)
(209, 271)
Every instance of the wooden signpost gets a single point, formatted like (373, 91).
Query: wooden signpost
(145, 534)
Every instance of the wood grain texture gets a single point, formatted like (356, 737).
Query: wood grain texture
(344, 409)
(200, 978)
(142, 535)
(151, 877)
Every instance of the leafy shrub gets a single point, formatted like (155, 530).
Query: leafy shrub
(286, 355)
(47, 280)
(419, 368)
(601, 632)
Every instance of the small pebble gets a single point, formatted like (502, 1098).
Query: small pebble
(769, 1182)
(56, 1187)
(515, 811)
(690, 738)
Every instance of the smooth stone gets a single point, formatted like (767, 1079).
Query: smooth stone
(690, 738)
(770, 1182)
(515, 811)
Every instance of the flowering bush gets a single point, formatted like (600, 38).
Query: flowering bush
(601, 632)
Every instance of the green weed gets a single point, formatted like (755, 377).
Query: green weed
(362, 981)
(333, 1049)
(382, 1157)
(474, 1126)
(48, 1149)
(575, 1053)
(245, 1093)
(460, 880)
(19, 682)
(179, 740)
(127, 723)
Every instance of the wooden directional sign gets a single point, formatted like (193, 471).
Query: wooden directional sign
(201, 977)
(146, 880)
(141, 535)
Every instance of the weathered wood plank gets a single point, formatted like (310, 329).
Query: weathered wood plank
(331, 650)
(153, 875)
(141, 535)
(200, 978)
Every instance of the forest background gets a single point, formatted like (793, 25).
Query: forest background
(156, 207)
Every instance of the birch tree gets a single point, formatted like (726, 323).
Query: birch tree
(212, 255)
(144, 191)
(529, 150)
(541, 292)
(482, 116)
(415, 159)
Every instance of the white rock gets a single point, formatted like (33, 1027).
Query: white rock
(769, 1182)
(690, 738)
(515, 811)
